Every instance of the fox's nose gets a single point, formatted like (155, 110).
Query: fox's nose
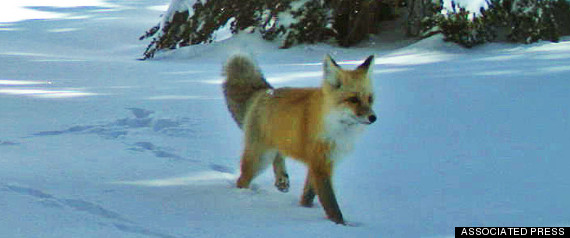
(372, 118)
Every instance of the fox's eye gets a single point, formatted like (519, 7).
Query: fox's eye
(353, 100)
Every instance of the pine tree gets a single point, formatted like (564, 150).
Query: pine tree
(418, 13)
(524, 21)
(346, 22)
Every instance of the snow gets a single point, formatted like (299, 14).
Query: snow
(286, 18)
(469, 5)
(177, 6)
(13, 11)
(94, 143)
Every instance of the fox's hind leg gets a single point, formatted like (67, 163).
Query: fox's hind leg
(254, 160)
(250, 166)
(281, 176)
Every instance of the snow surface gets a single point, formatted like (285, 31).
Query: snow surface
(94, 143)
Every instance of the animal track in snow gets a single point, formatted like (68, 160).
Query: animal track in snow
(221, 168)
(75, 204)
(141, 119)
(114, 219)
(91, 208)
(7, 143)
(140, 122)
(140, 230)
(29, 191)
(157, 151)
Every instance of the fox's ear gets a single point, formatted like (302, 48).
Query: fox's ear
(331, 70)
(368, 65)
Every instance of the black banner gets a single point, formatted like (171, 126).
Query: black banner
(512, 231)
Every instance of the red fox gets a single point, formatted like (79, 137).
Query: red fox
(316, 126)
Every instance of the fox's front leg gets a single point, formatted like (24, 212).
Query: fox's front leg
(320, 177)
(308, 192)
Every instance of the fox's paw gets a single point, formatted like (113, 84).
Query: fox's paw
(338, 220)
(242, 183)
(306, 203)
(282, 183)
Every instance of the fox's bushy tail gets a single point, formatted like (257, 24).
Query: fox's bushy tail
(243, 81)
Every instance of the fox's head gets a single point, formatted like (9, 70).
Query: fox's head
(349, 92)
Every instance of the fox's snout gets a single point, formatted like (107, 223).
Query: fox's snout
(363, 112)
(368, 118)
(360, 117)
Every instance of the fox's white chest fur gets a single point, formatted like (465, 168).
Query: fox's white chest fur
(341, 130)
